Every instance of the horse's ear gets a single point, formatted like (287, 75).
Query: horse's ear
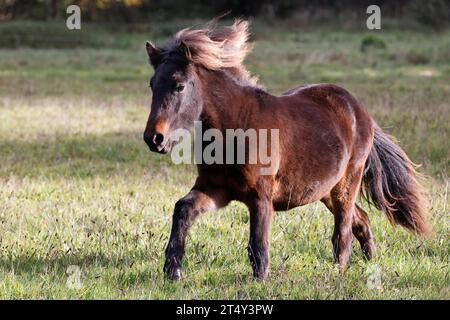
(185, 50)
(153, 53)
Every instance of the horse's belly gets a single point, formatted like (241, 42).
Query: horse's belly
(308, 180)
(290, 196)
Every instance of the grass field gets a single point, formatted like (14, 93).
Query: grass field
(78, 186)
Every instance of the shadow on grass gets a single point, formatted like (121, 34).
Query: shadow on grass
(98, 265)
(80, 156)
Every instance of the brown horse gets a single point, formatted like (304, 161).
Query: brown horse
(329, 147)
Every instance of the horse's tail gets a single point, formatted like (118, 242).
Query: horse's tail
(390, 183)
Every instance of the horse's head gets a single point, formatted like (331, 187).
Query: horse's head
(177, 95)
(176, 101)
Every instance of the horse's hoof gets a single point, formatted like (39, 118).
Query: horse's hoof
(341, 268)
(260, 276)
(173, 274)
(369, 249)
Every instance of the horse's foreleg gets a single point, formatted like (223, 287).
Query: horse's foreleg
(261, 212)
(186, 210)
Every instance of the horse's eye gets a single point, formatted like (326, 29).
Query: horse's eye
(180, 87)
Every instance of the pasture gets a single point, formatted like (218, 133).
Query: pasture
(79, 187)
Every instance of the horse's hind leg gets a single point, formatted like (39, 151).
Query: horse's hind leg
(343, 197)
(360, 227)
(363, 232)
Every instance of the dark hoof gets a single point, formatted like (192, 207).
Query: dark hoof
(369, 250)
(260, 276)
(173, 274)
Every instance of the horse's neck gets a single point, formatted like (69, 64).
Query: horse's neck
(224, 101)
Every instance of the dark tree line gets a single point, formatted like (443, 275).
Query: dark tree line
(431, 12)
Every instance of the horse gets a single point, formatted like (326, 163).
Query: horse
(330, 149)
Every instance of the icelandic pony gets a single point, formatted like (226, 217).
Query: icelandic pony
(329, 147)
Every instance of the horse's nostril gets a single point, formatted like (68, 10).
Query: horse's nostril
(158, 138)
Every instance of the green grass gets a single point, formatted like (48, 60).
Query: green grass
(79, 187)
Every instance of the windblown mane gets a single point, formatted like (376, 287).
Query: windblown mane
(216, 48)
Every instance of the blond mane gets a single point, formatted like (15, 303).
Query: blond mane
(219, 48)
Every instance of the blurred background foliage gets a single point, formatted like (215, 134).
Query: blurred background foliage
(432, 13)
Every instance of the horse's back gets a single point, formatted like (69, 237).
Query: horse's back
(344, 107)
(331, 128)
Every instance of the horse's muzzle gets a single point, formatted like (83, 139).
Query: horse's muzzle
(157, 143)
